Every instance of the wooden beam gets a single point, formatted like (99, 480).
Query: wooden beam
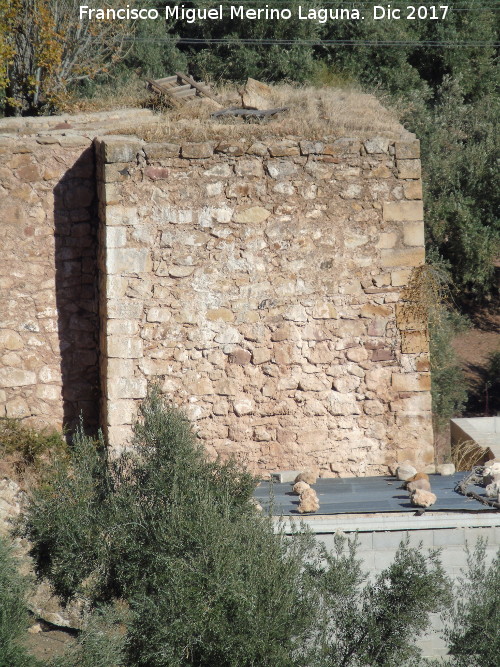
(202, 89)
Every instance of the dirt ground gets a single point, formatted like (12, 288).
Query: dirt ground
(46, 642)
(473, 348)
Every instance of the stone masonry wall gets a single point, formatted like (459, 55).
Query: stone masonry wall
(263, 285)
(48, 310)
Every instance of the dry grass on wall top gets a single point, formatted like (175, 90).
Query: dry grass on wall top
(314, 113)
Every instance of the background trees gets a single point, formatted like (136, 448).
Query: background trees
(46, 49)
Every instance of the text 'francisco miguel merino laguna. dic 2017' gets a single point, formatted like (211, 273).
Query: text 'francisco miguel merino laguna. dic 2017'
(265, 13)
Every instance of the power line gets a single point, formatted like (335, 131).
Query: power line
(312, 42)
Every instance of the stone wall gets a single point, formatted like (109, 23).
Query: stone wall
(262, 284)
(48, 309)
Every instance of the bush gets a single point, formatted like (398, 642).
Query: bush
(377, 624)
(492, 383)
(30, 443)
(173, 535)
(13, 614)
(173, 540)
(472, 632)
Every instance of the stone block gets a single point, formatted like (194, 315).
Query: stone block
(220, 315)
(225, 387)
(116, 173)
(311, 147)
(158, 151)
(159, 315)
(119, 367)
(383, 354)
(407, 150)
(346, 384)
(48, 374)
(283, 148)
(124, 309)
(29, 173)
(10, 340)
(314, 383)
(377, 145)
(134, 387)
(295, 313)
(119, 438)
(240, 356)
(48, 392)
(285, 476)
(411, 382)
(400, 278)
(17, 408)
(128, 260)
(380, 172)
(254, 214)
(318, 170)
(398, 211)
(343, 404)
(409, 319)
(261, 355)
(116, 237)
(414, 342)
(121, 215)
(121, 412)
(202, 387)
(180, 271)
(232, 149)
(413, 189)
(342, 146)
(373, 310)
(243, 406)
(157, 173)
(277, 168)
(249, 168)
(414, 404)
(357, 354)
(402, 258)
(124, 347)
(446, 469)
(387, 240)
(219, 171)
(413, 234)
(409, 169)
(197, 150)
(112, 148)
(324, 310)
(16, 377)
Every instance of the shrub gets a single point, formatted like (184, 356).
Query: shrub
(13, 614)
(376, 624)
(29, 443)
(101, 643)
(492, 383)
(66, 518)
(204, 578)
(207, 579)
(472, 626)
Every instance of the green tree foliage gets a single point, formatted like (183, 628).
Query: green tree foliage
(182, 570)
(449, 388)
(175, 537)
(230, 56)
(13, 614)
(472, 627)
(377, 623)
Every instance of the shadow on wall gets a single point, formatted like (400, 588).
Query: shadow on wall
(76, 225)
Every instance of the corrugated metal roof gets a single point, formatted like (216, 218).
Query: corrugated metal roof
(365, 495)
